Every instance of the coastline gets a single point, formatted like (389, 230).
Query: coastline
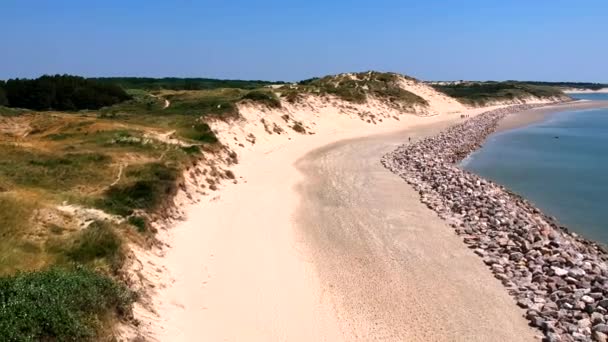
(389, 265)
(566, 296)
(586, 91)
(248, 235)
(535, 115)
(241, 259)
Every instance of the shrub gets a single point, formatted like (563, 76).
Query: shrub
(139, 223)
(481, 93)
(58, 305)
(97, 242)
(193, 149)
(265, 97)
(153, 184)
(204, 133)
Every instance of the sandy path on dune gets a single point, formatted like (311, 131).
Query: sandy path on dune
(319, 242)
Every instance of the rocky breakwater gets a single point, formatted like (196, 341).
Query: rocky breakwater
(559, 279)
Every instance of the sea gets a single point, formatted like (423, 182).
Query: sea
(559, 164)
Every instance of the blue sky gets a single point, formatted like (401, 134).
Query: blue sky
(291, 40)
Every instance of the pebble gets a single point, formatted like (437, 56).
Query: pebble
(561, 279)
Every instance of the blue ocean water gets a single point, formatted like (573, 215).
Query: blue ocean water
(560, 164)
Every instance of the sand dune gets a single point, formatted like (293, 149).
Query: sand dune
(252, 261)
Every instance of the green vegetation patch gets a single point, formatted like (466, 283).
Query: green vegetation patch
(138, 222)
(146, 187)
(16, 252)
(59, 305)
(7, 111)
(356, 88)
(481, 93)
(53, 171)
(60, 92)
(97, 243)
(174, 83)
(265, 97)
(575, 85)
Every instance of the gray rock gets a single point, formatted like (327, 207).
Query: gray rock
(587, 299)
(559, 271)
(602, 328)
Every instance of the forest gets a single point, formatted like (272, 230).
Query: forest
(175, 83)
(59, 92)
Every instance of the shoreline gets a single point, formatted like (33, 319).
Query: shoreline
(558, 277)
(586, 91)
(389, 264)
(536, 115)
(248, 236)
(239, 260)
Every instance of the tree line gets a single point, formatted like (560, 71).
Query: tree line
(176, 83)
(59, 92)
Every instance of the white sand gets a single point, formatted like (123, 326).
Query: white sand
(240, 269)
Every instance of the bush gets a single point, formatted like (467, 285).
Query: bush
(153, 184)
(193, 149)
(97, 242)
(203, 133)
(265, 97)
(481, 93)
(139, 223)
(58, 305)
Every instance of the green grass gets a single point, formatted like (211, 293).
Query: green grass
(59, 305)
(7, 111)
(23, 167)
(146, 187)
(16, 252)
(139, 222)
(481, 93)
(265, 97)
(97, 244)
(199, 132)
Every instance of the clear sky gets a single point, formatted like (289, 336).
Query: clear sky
(289, 40)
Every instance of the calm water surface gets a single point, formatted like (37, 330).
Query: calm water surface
(560, 164)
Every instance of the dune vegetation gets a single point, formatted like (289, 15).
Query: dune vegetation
(174, 83)
(483, 93)
(356, 88)
(87, 166)
(77, 185)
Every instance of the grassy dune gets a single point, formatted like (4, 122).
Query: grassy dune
(356, 88)
(75, 187)
(122, 164)
(482, 93)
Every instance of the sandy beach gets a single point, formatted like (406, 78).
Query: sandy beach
(254, 262)
(394, 269)
(319, 242)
